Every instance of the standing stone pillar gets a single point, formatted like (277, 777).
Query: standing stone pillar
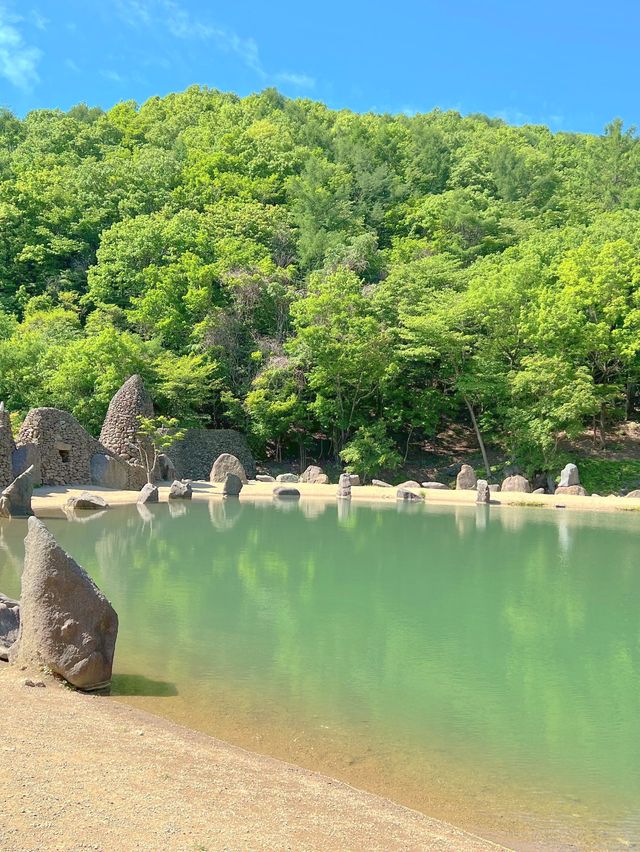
(344, 486)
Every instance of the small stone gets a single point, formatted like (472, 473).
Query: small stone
(149, 494)
(180, 490)
(37, 683)
(381, 484)
(435, 486)
(287, 477)
(263, 477)
(483, 495)
(355, 479)
(287, 493)
(538, 491)
(87, 501)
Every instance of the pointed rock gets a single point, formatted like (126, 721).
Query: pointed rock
(66, 623)
(15, 501)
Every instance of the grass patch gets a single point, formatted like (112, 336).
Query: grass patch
(606, 476)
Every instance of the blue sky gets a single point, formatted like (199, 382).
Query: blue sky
(571, 65)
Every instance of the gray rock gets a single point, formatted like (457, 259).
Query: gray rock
(287, 477)
(483, 495)
(435, 486)
(633, 494)
(232, 485)
(283, 492)
(311, 474)
(108, 472)
(192, 455)
(165, 469)
(494, 488)
(381, 484)
(263, 477)
(538, 491)
(322, 479)
(569, 476)
(180, 490)
(87, 500)
(516, 483)
(344, 486)
(15, 501)
(9, 625)
(410, 483)
(149, 494)
(66, 623)
(466, 479)
(355, 479)
(577, 490)
(408, 496)
(224, 464)
(24, 457)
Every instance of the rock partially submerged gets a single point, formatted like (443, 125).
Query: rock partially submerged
(9, 625)
(408, 496)
(224, 464)
(344, 486)
(232, 486)
(180, 491)
(15, 501)
(283, 492)
(483, 495)
(88, 501)
(149, 494)
(66, 623)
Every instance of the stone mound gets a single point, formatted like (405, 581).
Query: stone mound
(123, 418)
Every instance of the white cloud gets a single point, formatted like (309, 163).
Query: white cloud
(177, 21)
(18, 60)
(72, 66)
(39, 21)
(113, 76)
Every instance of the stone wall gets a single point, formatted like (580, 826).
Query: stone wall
(65, 448)
(122, 421)
(194, 456)
(6, 448)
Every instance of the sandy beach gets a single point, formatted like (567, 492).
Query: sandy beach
(54, 497)
(82, 772)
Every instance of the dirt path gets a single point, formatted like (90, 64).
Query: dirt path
(83, 772)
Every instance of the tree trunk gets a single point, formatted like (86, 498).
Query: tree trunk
(483, 449)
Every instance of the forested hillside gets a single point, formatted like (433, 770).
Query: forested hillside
(304, 274)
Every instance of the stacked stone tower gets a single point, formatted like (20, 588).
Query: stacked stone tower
(122, 421)
(6, 448)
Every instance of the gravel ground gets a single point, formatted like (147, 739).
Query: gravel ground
(83, 772)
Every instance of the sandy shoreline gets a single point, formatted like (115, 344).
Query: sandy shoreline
(84, 772)
(54, 497)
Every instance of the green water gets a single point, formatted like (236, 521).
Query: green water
(480, 664)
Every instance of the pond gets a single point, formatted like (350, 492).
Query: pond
(479, 664)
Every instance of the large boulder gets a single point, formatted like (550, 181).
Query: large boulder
(410, 483)
(15, 501)
(344, 486)
(66, 623)
(232, 485)
(311, 474)
(87, 501)
(149, 494)
(635, 495)
(466, 479)
(287, 477)
(108, 472)
(516, 483)
(165, 469)
(569, 476)
(322, 479)
(576, 490)
(180, 491)
(9, 625)
(224, 464)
